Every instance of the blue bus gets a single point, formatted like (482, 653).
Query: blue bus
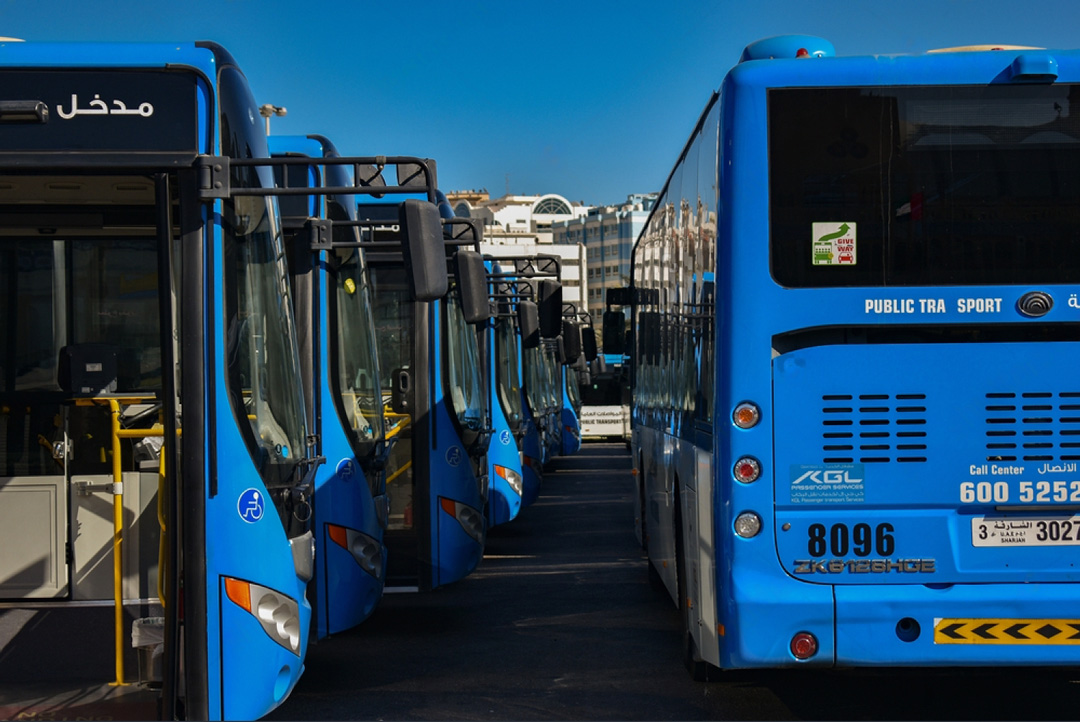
(152, 368)
(541, 367)
(855, 411)
(507, 419)
(340, 368)
(571, 363)
(528, 299)
(430, 361)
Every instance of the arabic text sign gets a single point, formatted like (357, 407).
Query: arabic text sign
(104, 110)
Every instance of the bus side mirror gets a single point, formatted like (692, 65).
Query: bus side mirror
(549, 304)
(529, 324)
(560, 351)
(424, 252)
(588, 342)
(571, 335)
(614, 333)
(472, 286)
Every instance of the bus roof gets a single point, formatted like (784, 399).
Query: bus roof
(776, 62)
(204, 56)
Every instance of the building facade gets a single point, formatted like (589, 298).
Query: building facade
(608, 234)
(516, 226)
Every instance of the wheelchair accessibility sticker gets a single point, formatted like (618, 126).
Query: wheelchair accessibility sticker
(345, 469)
(504, 437)
(453, 456)
(250, 505)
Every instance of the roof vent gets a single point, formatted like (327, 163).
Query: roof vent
(1033, 68)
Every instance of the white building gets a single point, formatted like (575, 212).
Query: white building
(516, 226)
(608, 234)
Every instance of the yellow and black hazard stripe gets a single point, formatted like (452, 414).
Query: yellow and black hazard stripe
(1007, 631)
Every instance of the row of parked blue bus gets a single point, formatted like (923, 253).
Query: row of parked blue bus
(267, 382)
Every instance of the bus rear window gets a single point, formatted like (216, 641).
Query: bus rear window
(924, 186)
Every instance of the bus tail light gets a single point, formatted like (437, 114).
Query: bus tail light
(277, 613)
(804, 645)
(746, 415)
(747, 524)
(511, 477)
(470, 519)
(747, 469)
(365, 549)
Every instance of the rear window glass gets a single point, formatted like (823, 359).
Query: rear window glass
(911, 186)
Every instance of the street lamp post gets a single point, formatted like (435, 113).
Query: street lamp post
(266, 110)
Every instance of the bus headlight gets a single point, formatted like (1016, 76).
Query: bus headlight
(747, 524)
(365, 549)
(511, 477)
(277, 613)
(470, 519)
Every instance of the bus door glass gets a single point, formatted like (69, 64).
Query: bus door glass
(395, 328)
(71, 293)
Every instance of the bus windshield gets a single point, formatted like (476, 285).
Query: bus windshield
(572, 391)
(357, 363)
(534, 393)
(464, 370)
(552, 392)
(263, 366)
(506, 374)
(927, 186)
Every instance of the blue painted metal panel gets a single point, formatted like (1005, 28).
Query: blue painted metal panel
(456, 553)
(504, 501)
(347, 592)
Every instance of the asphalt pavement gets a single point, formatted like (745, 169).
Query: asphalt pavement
(560, 622)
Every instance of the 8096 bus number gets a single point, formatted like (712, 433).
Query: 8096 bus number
(861, 539)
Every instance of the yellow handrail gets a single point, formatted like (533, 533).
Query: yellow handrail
(118, 522)
(398, 473)
(398, 427)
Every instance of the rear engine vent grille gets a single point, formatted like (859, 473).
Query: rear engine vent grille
(873, 428)
(1033, 426)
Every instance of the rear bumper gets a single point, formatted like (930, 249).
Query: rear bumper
(963, 624)
(895, 625)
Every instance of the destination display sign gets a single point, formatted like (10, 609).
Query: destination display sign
(98, 111)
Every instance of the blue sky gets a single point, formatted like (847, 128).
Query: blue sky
(591, 100)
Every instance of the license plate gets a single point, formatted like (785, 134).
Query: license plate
(1025, 531)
